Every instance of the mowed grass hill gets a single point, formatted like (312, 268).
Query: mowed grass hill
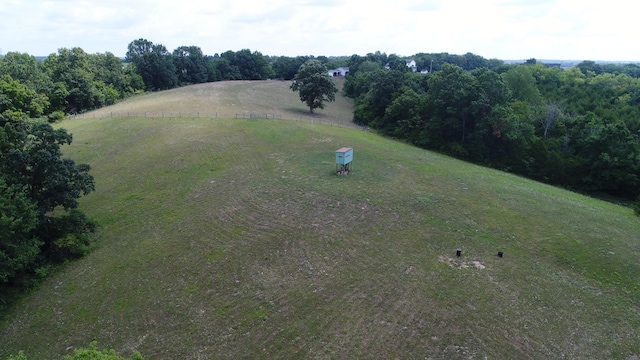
(234, 239)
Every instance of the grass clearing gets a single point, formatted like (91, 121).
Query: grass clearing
(226, 99)
(232, 238)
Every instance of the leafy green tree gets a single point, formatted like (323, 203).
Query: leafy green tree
(589, 66)
(18, 99)
(111, 73)
(523, 85)
(18, 219)
(35, 180)
(223, 69)
(453, 99)
(314, 85)
(191, 65)
(612, 153)
(380, 87)
(250, 65)
(25, 68)
(491, 120)
(397, 63)
(402, 117)
(35, 162)
(286, 67)
(72, 68)
(357, 82)
(154, 63)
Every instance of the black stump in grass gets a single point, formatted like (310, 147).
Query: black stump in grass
(500, 254)
(458, 252)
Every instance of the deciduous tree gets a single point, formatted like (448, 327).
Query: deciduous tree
(314, 85)
(35, 180)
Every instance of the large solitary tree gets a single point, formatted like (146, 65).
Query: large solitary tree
(35, 180)
(314, 85)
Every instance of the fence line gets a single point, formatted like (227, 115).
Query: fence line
(216, 115)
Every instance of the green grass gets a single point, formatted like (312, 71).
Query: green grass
(226, 99)
(231, 238)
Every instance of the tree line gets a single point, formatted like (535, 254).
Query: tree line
(578, 128)
(161, 69)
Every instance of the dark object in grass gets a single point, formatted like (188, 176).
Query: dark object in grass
(458, 252)
(500, 254)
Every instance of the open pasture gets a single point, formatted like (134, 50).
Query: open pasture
(233, 238)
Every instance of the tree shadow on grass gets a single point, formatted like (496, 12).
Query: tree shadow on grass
(305, 112)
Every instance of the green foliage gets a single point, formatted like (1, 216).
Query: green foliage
(18, 218)
(286, 67)
(250, 65)
(433, 62)
(375, 92)
(20, 356)
(154, 63)
(35, 162)
(36, 180)
(56, 116)
(16, 97)
(523, 85)
(191, 65)
(314, 85)
(90, 353)
(576, 128)
(68, 81)
(402, 115)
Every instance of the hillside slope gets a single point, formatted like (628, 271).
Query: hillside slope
(230, 99)
(233, 238)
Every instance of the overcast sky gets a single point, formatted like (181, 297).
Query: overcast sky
(503, 29)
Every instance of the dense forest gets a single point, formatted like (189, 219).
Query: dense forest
(578, 128)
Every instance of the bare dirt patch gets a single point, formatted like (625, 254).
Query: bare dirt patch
(459, 263)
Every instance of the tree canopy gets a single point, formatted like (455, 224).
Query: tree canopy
(314, 85)
(578, 128)
(35, 180)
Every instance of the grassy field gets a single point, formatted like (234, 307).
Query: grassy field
(231, 99)
(233, 238)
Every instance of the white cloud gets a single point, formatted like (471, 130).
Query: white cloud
(506, 29)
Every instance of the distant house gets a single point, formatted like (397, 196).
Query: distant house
(339, 72)
(410, 64)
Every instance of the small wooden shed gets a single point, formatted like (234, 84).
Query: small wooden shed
(344, 157)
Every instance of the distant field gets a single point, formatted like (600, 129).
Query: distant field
(233, 238)
(229, 99)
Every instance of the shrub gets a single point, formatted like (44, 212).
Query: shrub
(55, 116)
